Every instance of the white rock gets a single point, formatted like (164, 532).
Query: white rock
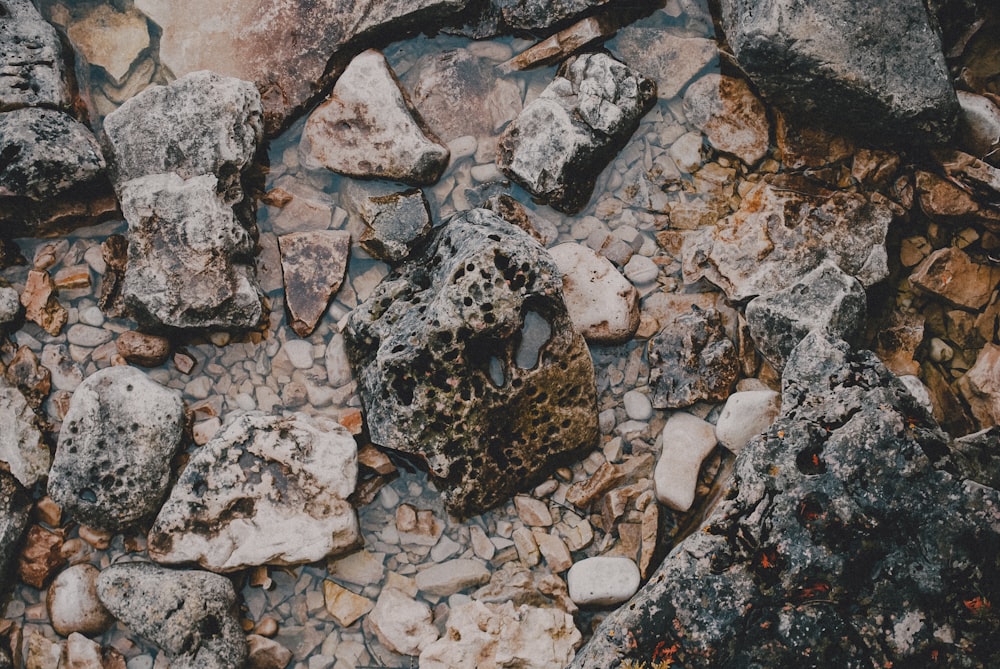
(88, 335)
(730, 115)
(299, 352)
(359, 568)
(447, 578)
(21, 447)
(401, 623)
(918, 390)
(746, 415)
(66, 374)
(641, 270)
(978, 124)
(637, 405)
(81, 653)
(687, 441)
(603, 581)
(686, 151)
(338, 369)
(603, 304)
(92, 316)
(73, 604)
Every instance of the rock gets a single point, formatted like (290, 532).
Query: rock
(302, 207)
(401, 623)
(396, 221)
(32, 55)
(10, 307)
(283, 47)
(41, 306)
(41, 653)
(950, 274)
(417, 526)
(490, 636)
(554, 550)
(561, 140)
(603, 304)
(466, 356)
(345, 606)
(360, 568)
(687, 440)
(897, 341)
(981, 386)
(110, 39)
(603, 581)
(745, 415)
(82, 653)
(504, 16)
(338, 367)
(264, 653)
(28, 375)
(784, 229)
(22, 451)
(313, 266)
(367, 128)
(563, 44)
(799, 531)
(533, 512)
(515, 213)
(190, 262)
(978, 124)
(15, 507)
(975, 456)
(143, 349)
(730, 115)
(267, 490)
(446, 578)
(876, 73)
(691, 359)
(943, 200)
(41, 557)
(73, 604)
(826, 299)
(670, 60)
(803, 145)
(112, 463)
(189, 614)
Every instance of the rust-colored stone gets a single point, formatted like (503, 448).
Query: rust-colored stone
(143, 349)
(41, 556)
(40, 303)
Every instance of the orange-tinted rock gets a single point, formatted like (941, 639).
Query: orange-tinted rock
(313, 265)
(952, 275)
(730, 115)
(143, 349)
(41, 556)
(564, 43)
(40, 303)
(26, 372)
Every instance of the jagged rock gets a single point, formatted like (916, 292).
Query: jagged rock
(32, 57)
(395, 220)
(42, 556)
(189, 614)
(10, 307)
(826, 299)
(112, 463)
(466, 356)
(15, 507)
(368, 128)
(73, 604)
(110, 39)
(265, 490)
(22, 451)
(730, 115)
(981, 386)
(950, 274)
(563, 44)
(515, 213)
(40, 303)
(447, 578)
(27, 374)
(784, 229)
(283, 47)
(874, 71)
(825, 509)
(499, 17)
(401, 623)
(603, 304)
(975, 456)
(803, 145)
(691, 359)
(266, 653)
(312, 266)
(978, 125)
(671, 60)
(82, 653)
(561, 140)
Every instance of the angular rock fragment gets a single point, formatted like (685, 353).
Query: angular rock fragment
(499, 17)
(563, 44)
(110, 39)
(313, 266)
(466, 356)
(189, 614)
(396, 221)
(15, 507)
(368, 128)
(22, 451)
(730, 115)
(345, 606)
(33, 68)
(981, 386)
(670, 60)
(265, 490)
(401, 623)
(41, 556)
(112, 463)
(559, 143)
(952, 275)
(40, 303)
(603, 304)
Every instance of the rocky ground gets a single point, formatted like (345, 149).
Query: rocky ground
(369, 348)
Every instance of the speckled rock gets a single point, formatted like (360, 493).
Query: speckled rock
(840, 501)
(15, 507)
(401, 623)
(312, 267)
(562, 139)
(498, 17)
(22, 451)
(395, 220)
(265, 490)
(10, 307)
(189, 614)
(465, 355)
(143, 349)
(32, 55)
(73, 604)
(603, 304)
(112, 463)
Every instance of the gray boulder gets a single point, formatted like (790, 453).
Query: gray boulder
(32, 59)
(22, 451)
(863, 67)
(395, 220)
(840, 543)
(112, 463)
(465, 355)
(15, 509)
(189, 614)
(562, 139)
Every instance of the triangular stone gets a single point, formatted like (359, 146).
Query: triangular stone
(313, 265)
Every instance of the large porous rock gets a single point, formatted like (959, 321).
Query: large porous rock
(15, 509)
(839, 543)
(32, 59)
(783, 229)
(562, 139)
(112, 463)
(265, 490)
(368, 128)
(22, 451)
(283, 46)
(189, 614)
(465, 355)
(860, 66)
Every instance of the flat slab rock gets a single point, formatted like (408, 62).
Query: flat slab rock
(603, 304)
(312, 266)
(265, 490)
(843, 541)
(671, 60)
(465, 355)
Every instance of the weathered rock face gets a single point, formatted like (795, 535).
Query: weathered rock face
(839, 544)
(31, 52)
(110, 39)
(561, 140)
(22, 451)
(395, 220)
(189, 614)
(466, 356)
(266, 490)
(15, 507)
(672, 61)
(312, 266)
(952, 275)
(112, 463)
(367, 128)
(869, 69)
(783, 230)
(730, 115)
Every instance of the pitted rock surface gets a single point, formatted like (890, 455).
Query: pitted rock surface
(839, 543)
(15, 507)
(112, 463)
(561, 140)
(466, 356)
(31, 53)
(22, 451)
(265, 490)
(189, 614)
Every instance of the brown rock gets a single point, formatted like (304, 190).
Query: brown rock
(533, 512)
(554, 550)
(874, 168)
(27, 373)
(914, 249)
(376, 460)
(583, 493)
(515, 213)
(41, 556)
(313, 266)
(949, 410)
(803, 146)
(110, 39)
(114, 251)
(75, 276)
(266, 654)
(981, 386)
(944, 201)
(730, 115)
(650, 533)
(417, 526)
(563, 44)
(952, 275)
(143, 349)
(40, 303)
(896, 342)
(344, 605)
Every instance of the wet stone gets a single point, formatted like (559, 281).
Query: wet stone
(33, 59)
(15, 506)
(73, 604)
(603, 304)
(313, 266)
(143, 349)
(730, 115)
(671, 60)
(395, 220)
(22, 451)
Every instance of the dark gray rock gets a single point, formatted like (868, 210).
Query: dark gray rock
(839, 543)
(189, 614)
(31, 56)
(395, 220)
(465, 355)
(112, 463)
(561, 141)
(499, 17)
(15, 507)
(692, 359)
(22, 451)
(862, 67)
(826, 299)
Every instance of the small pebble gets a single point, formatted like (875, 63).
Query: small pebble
(641, 270)
(687, 441)
(637, 405)
(299, 352)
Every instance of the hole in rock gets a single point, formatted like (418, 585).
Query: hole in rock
(88, 495)
(535, 333)
(809, 461)
(496, 372)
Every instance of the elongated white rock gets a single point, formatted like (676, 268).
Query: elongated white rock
(687, 441)
(602, 581)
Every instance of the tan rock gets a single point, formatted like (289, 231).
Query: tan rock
(603, 304)
(313, 266)
(417, 526)
(981, 386)
(941, 199)
(534, 512)
(143, 349)
(481, 544)
(730, 115)
(446, 578)
(583, 493)
(650, 535)
(344, 605)
(73, 277)
(110, 39)
(671, 60)
(73, 604)
(952, 275)
(401, 623)
(82, 653)
(803, 146)
(266, 653)
(554, 550)
(41, 556)
(527, 547)
(360, 568)
(563, 44)
(40, 303)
